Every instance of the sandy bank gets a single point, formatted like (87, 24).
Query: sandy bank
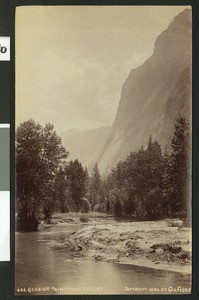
(163, 244)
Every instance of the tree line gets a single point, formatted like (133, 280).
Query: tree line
(148, 184)
(152, 185)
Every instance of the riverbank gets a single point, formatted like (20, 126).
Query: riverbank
(81, 218)
(164, 244)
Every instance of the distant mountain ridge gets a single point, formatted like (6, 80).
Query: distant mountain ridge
(152, 96)
(85, 145)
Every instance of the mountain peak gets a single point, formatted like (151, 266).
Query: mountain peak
(178, 29)
(182, 20)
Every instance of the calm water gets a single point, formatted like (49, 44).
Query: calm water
(44, 265)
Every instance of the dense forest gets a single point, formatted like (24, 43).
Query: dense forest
(149, 184)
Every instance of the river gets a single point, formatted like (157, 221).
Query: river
(45, 265)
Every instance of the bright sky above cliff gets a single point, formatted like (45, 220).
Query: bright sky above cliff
(71, 61)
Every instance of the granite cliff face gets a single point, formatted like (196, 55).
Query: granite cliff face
(153, 95)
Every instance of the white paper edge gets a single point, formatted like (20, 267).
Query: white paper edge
(4, 226)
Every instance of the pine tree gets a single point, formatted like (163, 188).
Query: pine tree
(150, 143)
(75, 178)
(95, 179)
(180, 168)
(117, 209)
(87, 181)
(60, 191)
(95, 187)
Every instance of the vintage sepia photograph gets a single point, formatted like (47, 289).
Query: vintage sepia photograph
(103, 150)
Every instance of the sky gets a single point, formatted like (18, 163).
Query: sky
(71, 61)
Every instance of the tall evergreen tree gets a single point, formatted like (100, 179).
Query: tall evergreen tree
(95, 187)
(180, 172)
(60, 191)
(87, 182)
(76, 184)
(95, 179)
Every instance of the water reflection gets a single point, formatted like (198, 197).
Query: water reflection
(44, 261)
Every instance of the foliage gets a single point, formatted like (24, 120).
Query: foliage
(39, 153)
(152, 185)
(95, 187)
(180, 169)
(117, 209)
(148, 184)
(75, 178)
(86, 207)
(141, 178)
(87, 182)
(108, 208)
(84, 219)
(60, 194)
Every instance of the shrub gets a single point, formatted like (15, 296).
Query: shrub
(86, 206)
(84, 219)
(118, 209)
(108, 208)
